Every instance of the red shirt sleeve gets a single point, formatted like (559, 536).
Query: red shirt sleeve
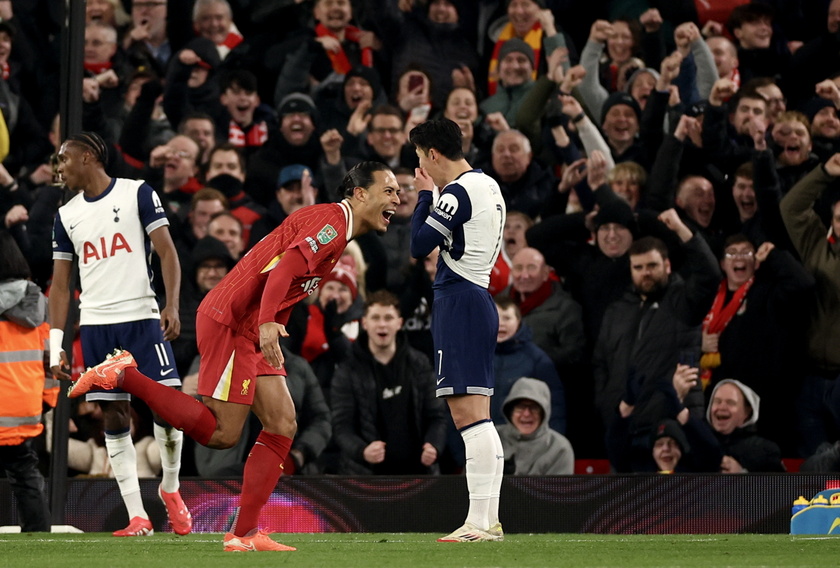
(293, 264)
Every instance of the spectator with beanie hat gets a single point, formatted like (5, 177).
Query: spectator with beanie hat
(532, 22)
(515, 80)
(343, 108)
(825, 123)
(294, 142)
(333, 323)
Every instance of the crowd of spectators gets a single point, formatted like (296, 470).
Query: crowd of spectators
(672, 247)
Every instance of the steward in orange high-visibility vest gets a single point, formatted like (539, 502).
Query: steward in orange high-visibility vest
(24, 382)
(24, 388)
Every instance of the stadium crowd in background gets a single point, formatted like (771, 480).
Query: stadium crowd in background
(593, 121)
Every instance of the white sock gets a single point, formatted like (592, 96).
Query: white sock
(123, 458)
(170, 441)
(496, 489)
(480, 446)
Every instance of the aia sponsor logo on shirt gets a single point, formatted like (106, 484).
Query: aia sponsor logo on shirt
(93, 251)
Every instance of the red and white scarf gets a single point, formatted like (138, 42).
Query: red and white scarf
(720, 315)
(340, 63)
(256, 135)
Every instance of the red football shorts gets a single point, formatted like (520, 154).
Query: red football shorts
(230, 363)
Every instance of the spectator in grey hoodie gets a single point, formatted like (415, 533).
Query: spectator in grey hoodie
(531, 447)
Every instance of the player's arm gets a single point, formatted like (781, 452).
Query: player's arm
(421, 239)
(170, 322)
(431, 227)
(292, 264)
(59, 303)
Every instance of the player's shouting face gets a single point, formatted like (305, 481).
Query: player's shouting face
(379, 201)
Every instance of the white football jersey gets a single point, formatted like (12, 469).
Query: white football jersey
(470, 214)
(110, 236)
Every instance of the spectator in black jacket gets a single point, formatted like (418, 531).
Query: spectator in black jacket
(645, 333)
(386, 417)
(759, 53)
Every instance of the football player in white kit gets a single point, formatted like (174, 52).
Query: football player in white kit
(466, 221)
(110, 226)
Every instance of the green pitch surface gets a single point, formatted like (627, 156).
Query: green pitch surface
(333, 550)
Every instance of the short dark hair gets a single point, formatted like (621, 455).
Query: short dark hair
(735, 239)
(226, 147)
(13, 265)
(91, 142)
(745, 170)
(241, 78)
(749, 13)
(386, 110)
(360, 175)
(647, 244)
(194, 115)
(746, 94)
(505, 302)
(441, 134)
(382, 298)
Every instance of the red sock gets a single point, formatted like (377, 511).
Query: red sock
(262, 471)
(180, 410)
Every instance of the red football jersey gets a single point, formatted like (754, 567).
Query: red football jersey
(319, 232)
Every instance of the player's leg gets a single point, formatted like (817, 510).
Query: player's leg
(496, 491)
(97, 341)
(464, 329)
(154, 358)
(213, 423)
(116, 419)
(216, 423)
(274, 407)
(471, 414)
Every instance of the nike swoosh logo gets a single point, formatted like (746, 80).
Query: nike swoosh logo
(834, 525)
(440, 380)
(123, 451)
(74, 226)
(246, 546)
(101, 369)
(164, 373)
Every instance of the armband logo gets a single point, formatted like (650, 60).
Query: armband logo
(447, 206)
(326, 234)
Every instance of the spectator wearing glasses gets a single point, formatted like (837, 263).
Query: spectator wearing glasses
(531, 446)
(755, 328)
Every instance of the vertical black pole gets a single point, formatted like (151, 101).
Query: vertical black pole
(70, 108)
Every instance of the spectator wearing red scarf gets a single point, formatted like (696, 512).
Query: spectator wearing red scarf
(554, 317)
